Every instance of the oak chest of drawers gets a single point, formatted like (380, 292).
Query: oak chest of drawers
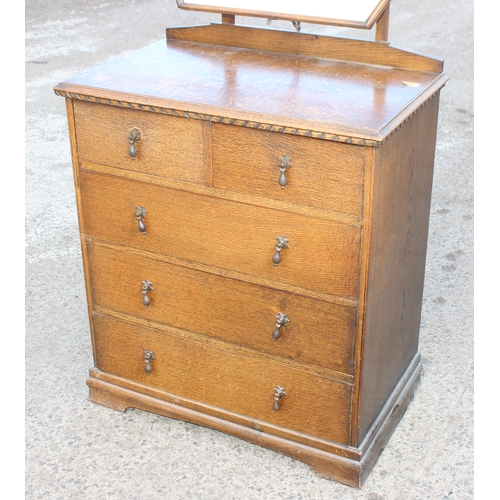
(254, 228)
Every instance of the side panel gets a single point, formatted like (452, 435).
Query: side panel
(402, 184)
(76, 165)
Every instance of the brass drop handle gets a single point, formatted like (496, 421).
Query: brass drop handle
(140, 214)
(134, 136)
(281, 242)
(281, 322)
(146, 288)
(285, 164)
(148, 357)
(279, 393)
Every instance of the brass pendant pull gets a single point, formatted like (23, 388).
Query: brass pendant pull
(281, 322)
(134, 136)
(279, 393)
(285, 164)
(146, 288)
(140, 214)
(148, 357)
(281, 242)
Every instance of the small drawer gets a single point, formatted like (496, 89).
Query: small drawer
(320, 255)
(308, 330)
(314, 172)
(141, 141)
(227, 379)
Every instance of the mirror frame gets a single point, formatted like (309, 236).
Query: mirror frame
(381, 8)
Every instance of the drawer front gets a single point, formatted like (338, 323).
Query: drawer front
(230, 380)
(317, 332)
(321, 173)
(321, 255)
(167, 146)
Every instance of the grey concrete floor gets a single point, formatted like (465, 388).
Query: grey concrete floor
(78, 450)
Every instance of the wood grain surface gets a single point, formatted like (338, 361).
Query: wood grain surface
(169, 146)
(319, 94)
(216, 107)
(225, 378)
(309, 44)
(323, 174)
(319, 332)
(402, 185)
(226, 194)
(322, 255)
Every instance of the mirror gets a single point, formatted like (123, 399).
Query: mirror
(362, 14)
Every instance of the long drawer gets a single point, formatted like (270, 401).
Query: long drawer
(167, 146)
(322, 254)
(311, 331)
(223, 378)
(316, 172)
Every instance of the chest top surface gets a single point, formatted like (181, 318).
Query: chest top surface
(289, 89)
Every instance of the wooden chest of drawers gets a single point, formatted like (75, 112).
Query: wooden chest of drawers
(254, 230)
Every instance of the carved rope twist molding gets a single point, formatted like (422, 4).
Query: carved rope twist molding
(240, 123)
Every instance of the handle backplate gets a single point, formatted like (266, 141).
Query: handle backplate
(281, 321)
(148, 357)
(140, 215)
(279, 393)
(284, 164)
(134, 136)
(281, 243)
(146, 288)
